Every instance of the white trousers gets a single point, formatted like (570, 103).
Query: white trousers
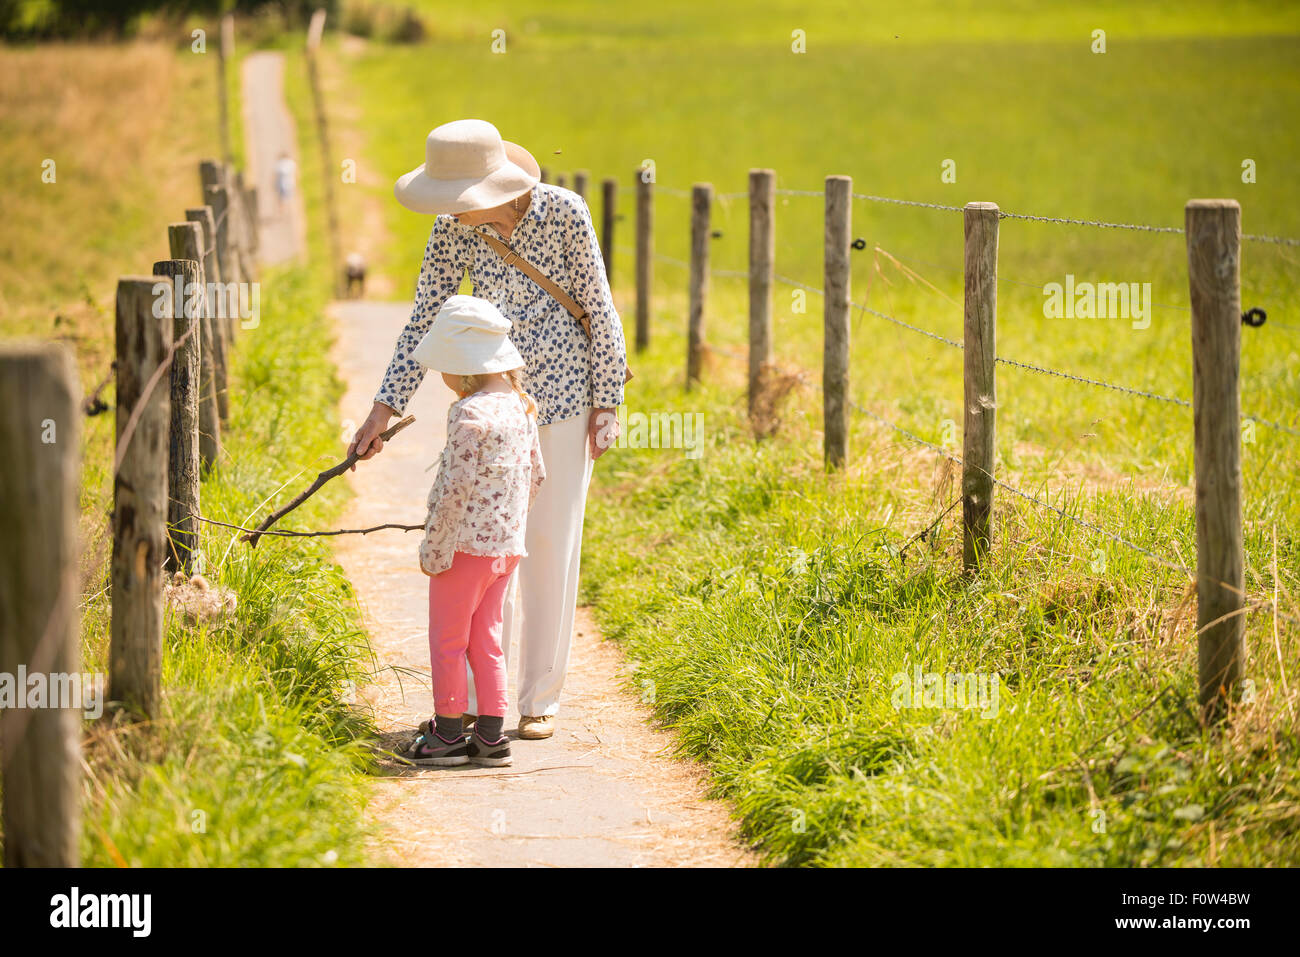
(541, 599)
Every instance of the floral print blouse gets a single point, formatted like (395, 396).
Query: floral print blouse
(488, 477)
(563, 372)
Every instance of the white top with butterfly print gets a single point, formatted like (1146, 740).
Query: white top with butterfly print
(488, 477)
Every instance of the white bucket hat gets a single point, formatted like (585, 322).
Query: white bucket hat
(468, 337)
(467, 166)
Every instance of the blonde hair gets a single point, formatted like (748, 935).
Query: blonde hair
(470, 384)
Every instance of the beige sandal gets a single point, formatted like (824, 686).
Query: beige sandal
(536, 727)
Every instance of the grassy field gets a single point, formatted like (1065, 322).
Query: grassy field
(1068, 138)
(769, 606)
(257, 758)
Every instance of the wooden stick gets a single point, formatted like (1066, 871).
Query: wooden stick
(321, 479)
(339, 531)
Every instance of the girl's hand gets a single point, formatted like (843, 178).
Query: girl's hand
(602, 431)
(366, 443)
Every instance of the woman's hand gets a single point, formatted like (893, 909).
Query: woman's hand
(367, 441)
(602, 431)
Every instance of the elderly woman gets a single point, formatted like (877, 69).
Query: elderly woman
(473, 182)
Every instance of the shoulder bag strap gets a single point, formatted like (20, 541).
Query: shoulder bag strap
(512, 258)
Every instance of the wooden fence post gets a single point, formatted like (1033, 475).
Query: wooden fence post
(316, 29)
(562, 181)
(211, 173)
(1213, 228)
(218, 197)
(254, 210)
(139, 496)
(248, 212)
(247, 228)
(701, 206)
(235, 180)
(979, 394)
(609, 203)
(212, 327)
(580, 183)
(225, 48)
(239, 231)
(40, 475)
(183, 538)
(645, 253)
(329, 170)
(185, 241)
(762, 266)
(835, 354)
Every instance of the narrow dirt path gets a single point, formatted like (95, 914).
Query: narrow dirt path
(604, 791)
(269, 131)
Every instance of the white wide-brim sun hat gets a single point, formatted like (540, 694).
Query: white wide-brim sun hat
(467, 166)
(469, 336)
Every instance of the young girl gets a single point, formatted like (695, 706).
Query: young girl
(490, 472)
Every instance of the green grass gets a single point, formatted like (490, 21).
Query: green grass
(256, 758)
(595, 24)
(769, 609)
(1039, 126)
(767, 605)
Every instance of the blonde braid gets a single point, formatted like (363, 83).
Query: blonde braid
(516, 379)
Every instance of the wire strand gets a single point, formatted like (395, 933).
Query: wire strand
(1035, 500)
(1043, 370)
(1003, 214)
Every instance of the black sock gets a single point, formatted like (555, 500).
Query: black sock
(489, 726)
(449, 729)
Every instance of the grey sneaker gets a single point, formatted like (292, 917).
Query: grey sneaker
(466, 722)
(432, 751)
(489, 755)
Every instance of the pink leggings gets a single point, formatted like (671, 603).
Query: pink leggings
(465, 606)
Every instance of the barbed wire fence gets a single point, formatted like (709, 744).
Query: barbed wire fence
(1213, 236)
(174, 330)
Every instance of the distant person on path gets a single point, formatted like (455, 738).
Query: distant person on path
(286, 179)
(488, 478)
(473, 181)
(354, 274)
